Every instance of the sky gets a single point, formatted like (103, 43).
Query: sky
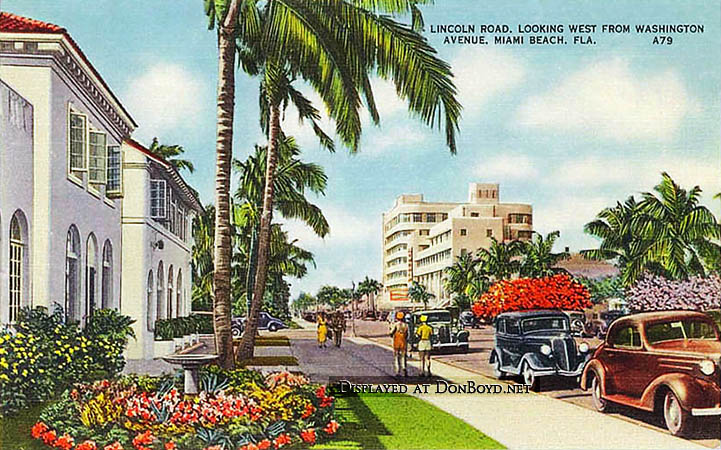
(570, 129)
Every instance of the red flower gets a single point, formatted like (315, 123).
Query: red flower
(309, 410)
(38, 429)
(65, 442)
(320, 392)
(214, 447)
(332, 427)
(308, 435)
(114, 446)
(143, 439)
(249, 446)
(264, 444)
(282, 440)
(170, 446)
(87, 445)
(49, 437)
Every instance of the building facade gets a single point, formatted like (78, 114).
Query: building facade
(421, 239)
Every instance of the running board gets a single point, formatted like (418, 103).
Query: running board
(627, 400)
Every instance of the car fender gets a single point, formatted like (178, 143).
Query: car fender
(688, 390)
(594, 367)
(462, 336)
(534, 361)
(494, 355)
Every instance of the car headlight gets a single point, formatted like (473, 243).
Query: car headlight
(545, 349)
(583, 347)
(707, 367)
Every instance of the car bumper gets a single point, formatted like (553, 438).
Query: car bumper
(706, 411)
(449, 344)
(559, 372)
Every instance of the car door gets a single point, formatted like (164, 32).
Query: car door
(627, 361)
(513, 342)
(502, 342)
(263, 321)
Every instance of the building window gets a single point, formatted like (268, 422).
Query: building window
(179, 294)
(72, 275)
(150, 315)
(159, 298)
(423, 232)
(444, 216)
(158, 199)
(474, 214)
(464, 252)
(107, 286)
(77, 140)
(524, 234)
(417, 217)
(489, 232)
(91, 275)
(464, 232)
(17, 269)
(169, 303)
(97, 158)
(114, 183)
(431, 217)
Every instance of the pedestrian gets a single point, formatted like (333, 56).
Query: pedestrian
(338, 325)
(424, 332)
(399, 333)
(322, 329)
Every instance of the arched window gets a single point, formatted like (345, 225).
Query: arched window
(159, 298)
(18, 275)
(72, 275)
(91, 276)
(107, 286)
(169, 303)
(150, 315)
(179, 294)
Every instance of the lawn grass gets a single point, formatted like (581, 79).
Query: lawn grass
(372, 421)
(15, 429)
(270, 361)
(272, 341)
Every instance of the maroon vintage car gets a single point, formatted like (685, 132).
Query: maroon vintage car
(667, 362)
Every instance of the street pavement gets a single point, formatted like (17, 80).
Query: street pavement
(518, 421)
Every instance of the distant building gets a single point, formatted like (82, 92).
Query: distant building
(421, 239)
(578, 266)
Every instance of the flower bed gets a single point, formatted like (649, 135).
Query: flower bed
(238, 409)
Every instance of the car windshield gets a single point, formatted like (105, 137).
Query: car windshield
(544, 323)
(680, 330)
(436, 316)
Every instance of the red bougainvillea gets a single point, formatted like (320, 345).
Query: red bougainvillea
(556, 292)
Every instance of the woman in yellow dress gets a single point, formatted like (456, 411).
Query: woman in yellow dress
(322, 329)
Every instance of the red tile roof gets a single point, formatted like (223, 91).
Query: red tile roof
(18, 24)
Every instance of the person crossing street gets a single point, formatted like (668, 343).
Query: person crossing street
(424, 332)
(337, 324)
(399, 333)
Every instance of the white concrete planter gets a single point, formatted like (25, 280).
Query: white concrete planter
(178, 343)
(163, 348)
(186, 340)
(194, 338)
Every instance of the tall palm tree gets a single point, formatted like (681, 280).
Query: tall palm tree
(334, 45)
(499, 260)
(621, 239)
(171, 154)
(538, 257)
(678, 227)
(419, 293)
(459, 275)
(370, 287)
(201, 263)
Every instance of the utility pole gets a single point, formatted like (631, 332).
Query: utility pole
(352, 307)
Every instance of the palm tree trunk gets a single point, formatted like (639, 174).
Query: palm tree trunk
(224, 153)
(248, 342)
(253, 260)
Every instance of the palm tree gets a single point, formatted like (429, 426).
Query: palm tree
(459, 275)
(499, 259)
(201, 263)
(419, 293)
(678, 226)
(170, 153)
(621, 239)
(538, 257)
(370, 288)
(333, 45)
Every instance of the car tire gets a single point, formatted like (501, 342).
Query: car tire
(678, 420)
(529, 377)
(601, 404)
(497, 372)
(273, 327)
(236, 332)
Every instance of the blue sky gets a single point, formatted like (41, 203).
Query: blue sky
(569, 129)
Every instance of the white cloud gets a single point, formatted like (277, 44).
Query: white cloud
(165, 96)
(482, 72)
(567, 213)
(608, 99)
(506, 167)
(346, 228)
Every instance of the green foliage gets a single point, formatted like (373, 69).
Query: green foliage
(238, 380)
(419, 293)
(170, 153)
(538, 258)
(603, 289)
(177, 327)
(108, 332)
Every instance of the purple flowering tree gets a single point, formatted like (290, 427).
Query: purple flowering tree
(653, 293)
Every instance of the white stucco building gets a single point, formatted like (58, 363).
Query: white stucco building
(73, 231)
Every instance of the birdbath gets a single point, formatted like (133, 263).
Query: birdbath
(190, 364)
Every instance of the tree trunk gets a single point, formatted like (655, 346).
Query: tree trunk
(224, 154)
(250, 276)
(248, 342)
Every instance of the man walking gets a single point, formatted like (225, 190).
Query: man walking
(424, 332)
(338, 326)
(399, 333)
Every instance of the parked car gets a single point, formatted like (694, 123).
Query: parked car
(598, 327)
(577, 321)
(666, 362)
(447, 330)
(265, 322)
(535, 344)
(468, 319)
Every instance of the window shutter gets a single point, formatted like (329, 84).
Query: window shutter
(97, 158)
(114, 171)
(158, 199)
(77, 142)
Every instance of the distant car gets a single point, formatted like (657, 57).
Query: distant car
(265, 322)
(577, 321)
(535, 344)
(665, 362)
(447, 331)
(468, 319)
(599, 327)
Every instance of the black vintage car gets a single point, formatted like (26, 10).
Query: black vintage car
(535, 344)
(265, 322)
(447, 331)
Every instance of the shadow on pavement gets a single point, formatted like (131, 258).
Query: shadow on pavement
(361, 427)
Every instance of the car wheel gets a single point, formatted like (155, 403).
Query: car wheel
(529, 376)
(497, 372)
(237, 332)
(678, 420)
(599, 402)
(272, 327)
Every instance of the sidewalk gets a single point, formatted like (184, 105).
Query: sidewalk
(521, 421)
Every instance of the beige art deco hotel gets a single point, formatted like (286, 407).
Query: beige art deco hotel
(421, 239)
